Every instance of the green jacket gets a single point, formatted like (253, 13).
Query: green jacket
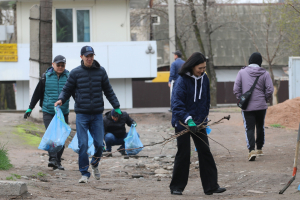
(53, 87)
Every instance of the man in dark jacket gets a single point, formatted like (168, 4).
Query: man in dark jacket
(115, 131)
(175, 67)
(47, 91)
(89, 80)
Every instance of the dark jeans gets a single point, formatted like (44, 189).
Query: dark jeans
(207, 165)
(254, 119)
(47, 119)
(111, 140)
(93, 123)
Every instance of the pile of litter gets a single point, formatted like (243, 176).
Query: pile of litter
(286, 114)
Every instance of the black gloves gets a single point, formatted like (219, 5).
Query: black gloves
(27, 113)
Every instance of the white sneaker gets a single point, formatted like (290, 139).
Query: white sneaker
(95, 173)
(83, 179)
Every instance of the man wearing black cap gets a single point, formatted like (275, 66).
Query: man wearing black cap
(115, 131)
(47, 91)
(89, 80)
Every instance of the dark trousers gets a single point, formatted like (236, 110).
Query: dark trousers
(207, 165)
(254, 119)
(47, 119)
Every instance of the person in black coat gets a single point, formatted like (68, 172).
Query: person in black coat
(115, 131)
(190, 105)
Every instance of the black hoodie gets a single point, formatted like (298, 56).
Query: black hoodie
(89, 83)
(117, 128)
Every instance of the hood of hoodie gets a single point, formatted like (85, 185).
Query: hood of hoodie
(255, 71)
(51, 70)
(196, 79)
(94, 65)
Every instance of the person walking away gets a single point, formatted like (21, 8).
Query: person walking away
(115, 131)
(89, 80)
(190, 105)
(47, 91)
(254, 114)
(174, 69)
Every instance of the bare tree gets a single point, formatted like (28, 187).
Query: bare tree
(267, 37)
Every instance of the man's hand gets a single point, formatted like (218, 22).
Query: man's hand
(118, 111)
(169, 84)
(59, 102)
(134, 123)
(27, 113)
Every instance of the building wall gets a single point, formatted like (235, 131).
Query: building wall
(117, 28)
(22, 95)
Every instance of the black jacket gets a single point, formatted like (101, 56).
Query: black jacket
(117, 128)
(88, 84)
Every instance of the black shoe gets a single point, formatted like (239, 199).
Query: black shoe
(219, 190)
(52, 163)
(107, 154)
(176, 192)
(60, 167)
(123, 152)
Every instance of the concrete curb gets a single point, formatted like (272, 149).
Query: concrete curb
(9, 188)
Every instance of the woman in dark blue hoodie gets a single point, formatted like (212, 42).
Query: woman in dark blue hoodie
(190, 105)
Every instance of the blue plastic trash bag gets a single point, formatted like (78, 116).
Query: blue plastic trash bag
(56, 134)
(133, 141)
(74, 144)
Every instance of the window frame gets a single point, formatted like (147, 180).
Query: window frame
(74, 23)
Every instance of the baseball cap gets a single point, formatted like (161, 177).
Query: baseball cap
(178, 53)
(59, 59)
(86, 50)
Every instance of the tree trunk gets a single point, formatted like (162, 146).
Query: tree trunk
(180, 47)
(14, 38)
(2, 97)
(276, 85)
(195, 26)
(45, 35)
(210, 65)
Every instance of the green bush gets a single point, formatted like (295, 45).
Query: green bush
(4, 161)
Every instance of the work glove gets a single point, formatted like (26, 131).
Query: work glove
(27, 113)
(192, 126)
(134, 123)
(118, 111)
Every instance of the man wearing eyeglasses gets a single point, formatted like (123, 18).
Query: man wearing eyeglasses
(47, 91)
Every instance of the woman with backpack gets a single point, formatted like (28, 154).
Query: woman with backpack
(190, 105)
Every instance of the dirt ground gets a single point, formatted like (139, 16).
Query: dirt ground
(261, 179)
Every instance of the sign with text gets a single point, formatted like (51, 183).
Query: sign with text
(8, 53)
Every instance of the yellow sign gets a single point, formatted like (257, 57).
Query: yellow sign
(8, 53)
(162, 77)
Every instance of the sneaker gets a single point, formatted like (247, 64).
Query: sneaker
(123, 152)
(83, 179)
(252, 155)
(59, 167)
(95, 173)
(52, 163)
(259, 152)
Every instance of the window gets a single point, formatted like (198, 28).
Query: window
(72, 25)
(64, 25)
(155, 20)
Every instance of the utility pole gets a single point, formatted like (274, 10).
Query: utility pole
(172, 43)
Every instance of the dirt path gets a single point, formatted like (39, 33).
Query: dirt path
(265, 177)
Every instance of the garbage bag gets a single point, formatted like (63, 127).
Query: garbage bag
(56, 134)
(133, 141)
(74, 144)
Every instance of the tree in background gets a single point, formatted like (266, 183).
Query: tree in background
(289, 22)
(266, 36)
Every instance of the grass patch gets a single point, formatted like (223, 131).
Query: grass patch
(4, 161)
(41, 174)
(10, 178)
(16, 175)
(28, 139)
(277, 126)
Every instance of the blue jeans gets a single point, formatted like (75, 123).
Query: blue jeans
(93, 123)
(111, 140)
